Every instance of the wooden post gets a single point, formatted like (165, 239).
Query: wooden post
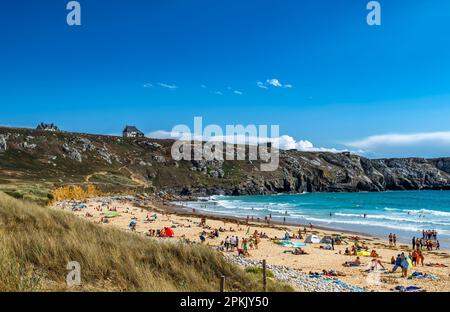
(222, 284)
(264, 276)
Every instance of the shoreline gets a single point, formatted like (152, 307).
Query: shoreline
(181, 210)
(368, 227)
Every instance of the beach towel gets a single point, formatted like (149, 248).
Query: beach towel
(288, 244)
(111, 214)
(420, 275)
(363, 254)
(409, 289)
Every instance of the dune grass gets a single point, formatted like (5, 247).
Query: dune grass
(37, 242)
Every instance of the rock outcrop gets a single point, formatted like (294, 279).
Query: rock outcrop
(3, 145)
(57, 156)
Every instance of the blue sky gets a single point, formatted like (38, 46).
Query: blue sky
(157, 64)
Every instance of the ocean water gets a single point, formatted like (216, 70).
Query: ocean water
(403, 213)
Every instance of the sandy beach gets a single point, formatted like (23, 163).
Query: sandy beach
(152, 215)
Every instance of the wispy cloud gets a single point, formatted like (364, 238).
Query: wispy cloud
(238, 92)
(148, 85)
(166, 85)
(217, 92)
(261, 85)
(203, 86)
(424, 144)
(273, 83)
(413, 139)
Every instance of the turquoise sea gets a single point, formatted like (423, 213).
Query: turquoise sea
(403, 213)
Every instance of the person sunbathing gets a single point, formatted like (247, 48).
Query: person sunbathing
(299, 251)
(333, 273)
(355, 263)
(437, 265)
(347, 252)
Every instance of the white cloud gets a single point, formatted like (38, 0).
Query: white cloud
(148, 85)
(424, 144)
(218, 92)
(406, 140)
(238, 92)
(163, 134)
(285, 142)
(166, 85)
(275, 83)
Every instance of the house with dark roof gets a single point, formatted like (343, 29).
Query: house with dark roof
(132, 132)
(47, 127)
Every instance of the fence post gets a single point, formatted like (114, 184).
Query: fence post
(264, 276)
(222, 283)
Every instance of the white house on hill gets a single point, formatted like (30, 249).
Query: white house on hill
(132, 132)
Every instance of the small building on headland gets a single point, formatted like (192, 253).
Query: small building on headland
(132, 132)
(47, 127)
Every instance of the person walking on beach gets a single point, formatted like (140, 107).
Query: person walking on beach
(232, 243)
(390, 239)
(420, 257)
(227, 243)
(394, 239)
(414, 243)
(397, 263)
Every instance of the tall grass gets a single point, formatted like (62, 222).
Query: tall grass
(37, 243)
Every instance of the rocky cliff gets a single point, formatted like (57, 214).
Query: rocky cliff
(145, 164)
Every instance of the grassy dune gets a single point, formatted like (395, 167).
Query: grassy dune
(36, 243)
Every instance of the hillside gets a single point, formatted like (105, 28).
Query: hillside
(33, 162)
(36, 243)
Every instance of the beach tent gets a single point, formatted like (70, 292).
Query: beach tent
(312, 239)
(326, 240)
(167, 232)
